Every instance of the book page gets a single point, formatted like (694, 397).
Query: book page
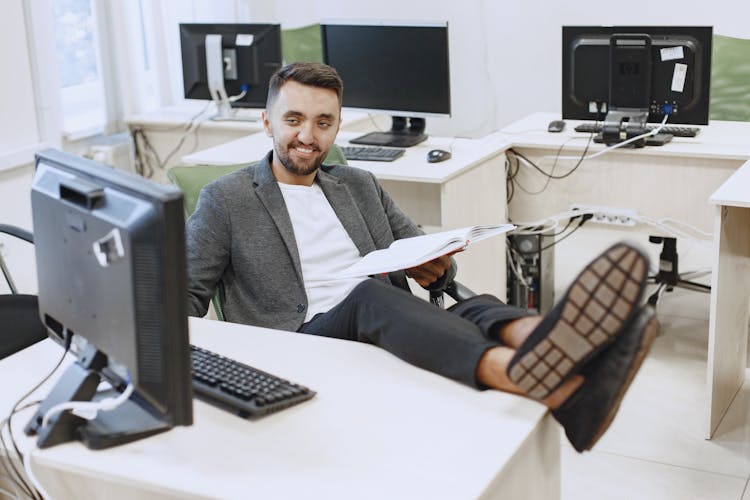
(410, 252)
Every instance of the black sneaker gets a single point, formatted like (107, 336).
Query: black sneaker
(588, 413)
(600, 301)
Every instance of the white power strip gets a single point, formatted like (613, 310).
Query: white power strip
(614, 216)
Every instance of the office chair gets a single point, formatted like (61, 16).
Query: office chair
(730, 79)
(191, 179)
(19, 313)
(668, 277)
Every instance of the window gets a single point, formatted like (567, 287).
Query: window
(82, 88)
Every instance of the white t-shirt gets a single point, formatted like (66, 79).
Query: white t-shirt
(324, 247)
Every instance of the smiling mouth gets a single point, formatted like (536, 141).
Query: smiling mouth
(305, 151)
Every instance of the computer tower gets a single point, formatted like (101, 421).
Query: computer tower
(531, 272)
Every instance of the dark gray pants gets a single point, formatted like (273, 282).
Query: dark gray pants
(447, 342)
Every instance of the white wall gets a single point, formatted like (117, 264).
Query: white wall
(15, 209)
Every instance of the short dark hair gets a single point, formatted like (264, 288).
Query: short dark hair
(307, 73)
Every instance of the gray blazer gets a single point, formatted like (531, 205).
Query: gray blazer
(240, 241)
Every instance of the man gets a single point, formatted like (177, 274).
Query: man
(270, 237)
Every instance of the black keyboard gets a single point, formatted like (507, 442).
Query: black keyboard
(675, 130)
(240, 388)
(371, 153)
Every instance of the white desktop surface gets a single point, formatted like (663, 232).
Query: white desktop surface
(719, 140)
(378, 428)
(412, 166)
(736, 190)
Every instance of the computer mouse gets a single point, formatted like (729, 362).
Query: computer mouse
(556, 126)
(438, 155)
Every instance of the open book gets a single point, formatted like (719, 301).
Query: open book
(410, 252)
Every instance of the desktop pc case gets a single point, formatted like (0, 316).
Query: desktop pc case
(531, 285)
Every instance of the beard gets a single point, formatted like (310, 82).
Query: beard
(296, 168)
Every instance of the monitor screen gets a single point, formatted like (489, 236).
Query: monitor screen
(250, 54)
(661, 69)
(402, 70)
(111, 266)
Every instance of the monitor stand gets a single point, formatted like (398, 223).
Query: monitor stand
(128, 422)
(623, 124)
(400, 136)
(226, 113)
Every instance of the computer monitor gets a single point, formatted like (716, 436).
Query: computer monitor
(393, 68)
(630, 75)
(230, 64)
(112, 274)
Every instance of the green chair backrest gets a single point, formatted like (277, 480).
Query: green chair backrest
(730, 79)
(302, 44)
(191, 179)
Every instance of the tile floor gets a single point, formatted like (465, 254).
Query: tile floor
(655, 448)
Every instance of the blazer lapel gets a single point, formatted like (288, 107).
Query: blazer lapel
(347, 211)
(270, 195)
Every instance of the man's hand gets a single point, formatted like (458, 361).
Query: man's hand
(431, 271)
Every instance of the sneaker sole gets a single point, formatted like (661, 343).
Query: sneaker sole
(601, 300)
(649, 334)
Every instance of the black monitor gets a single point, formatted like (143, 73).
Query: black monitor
(112, 274)
(401, 70)
(224, 61)
(630, 75)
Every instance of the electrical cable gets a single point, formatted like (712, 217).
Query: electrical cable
(706, 234)
(555, 242)
(583, 218)
(655, 131)
(549, 175)
(19, 480)
(9, 494)
(557, 157)
(148, 158)
(32, 477)
(88, 409)
(7, 462)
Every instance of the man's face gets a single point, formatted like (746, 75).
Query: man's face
(303, 122)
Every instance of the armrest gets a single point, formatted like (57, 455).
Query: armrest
(17, 232)
(454, 289)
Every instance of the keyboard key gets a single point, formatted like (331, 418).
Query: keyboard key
(240, 388)
(371, 153)
(675, 130)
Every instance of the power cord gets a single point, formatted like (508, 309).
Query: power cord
(148, 159)
(88, 409)
(84, 409)
(650, 133)
(16, 477)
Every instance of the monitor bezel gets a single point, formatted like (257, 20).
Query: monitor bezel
(154, 354)
(190, 49)
(698, 114)
(395, 24)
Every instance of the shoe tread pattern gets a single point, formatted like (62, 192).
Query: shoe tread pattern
(599, 302)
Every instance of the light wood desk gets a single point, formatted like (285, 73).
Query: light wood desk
(674, 180)
(166, 128)
(465, 190)
(730, 295)
(679, 181)
(378, 428)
